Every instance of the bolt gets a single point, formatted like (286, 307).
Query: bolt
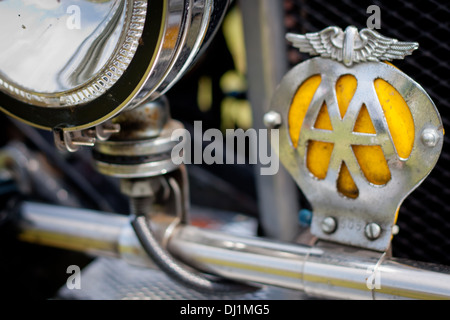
(430, 137)
(329, 225)
(372, 231)
(272, 120)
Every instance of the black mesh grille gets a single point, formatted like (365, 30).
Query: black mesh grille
(424, 218)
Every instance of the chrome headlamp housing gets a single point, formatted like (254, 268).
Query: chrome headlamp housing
(74, 64)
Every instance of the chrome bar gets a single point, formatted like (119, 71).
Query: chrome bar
(325, 270)
(92, 232)
(266, 63)
(71, 228)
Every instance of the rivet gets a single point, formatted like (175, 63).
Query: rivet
(430, 137)
(272, 120)
(395, 229)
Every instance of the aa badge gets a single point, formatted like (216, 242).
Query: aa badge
(356, 133)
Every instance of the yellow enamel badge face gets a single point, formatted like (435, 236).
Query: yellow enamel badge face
(357, 135)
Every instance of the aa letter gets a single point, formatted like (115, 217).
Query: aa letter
(373, 281)
(264, 158)
(374, 21)
(181, 152)
(74, 281)
(74, 20)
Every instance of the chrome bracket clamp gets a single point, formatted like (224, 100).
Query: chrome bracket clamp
(72, 140)
(367, 220)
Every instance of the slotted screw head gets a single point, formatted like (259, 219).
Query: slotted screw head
(372, 231)
(329, 225)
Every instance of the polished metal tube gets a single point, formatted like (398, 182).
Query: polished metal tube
(92, 232)
(82, 230)
(266, 63)
(235, 257)
(326, 270)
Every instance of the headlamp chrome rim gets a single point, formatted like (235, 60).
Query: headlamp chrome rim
(157, 63)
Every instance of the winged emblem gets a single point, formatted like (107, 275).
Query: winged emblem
(351, 46)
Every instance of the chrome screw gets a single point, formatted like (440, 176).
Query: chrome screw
(372, 231)
(329, 225)
(272, 120)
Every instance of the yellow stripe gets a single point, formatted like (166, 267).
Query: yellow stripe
(383, 290)
(243, 266)
(325, 280)
(64, 241)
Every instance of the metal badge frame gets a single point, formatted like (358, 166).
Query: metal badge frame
(375, 205)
